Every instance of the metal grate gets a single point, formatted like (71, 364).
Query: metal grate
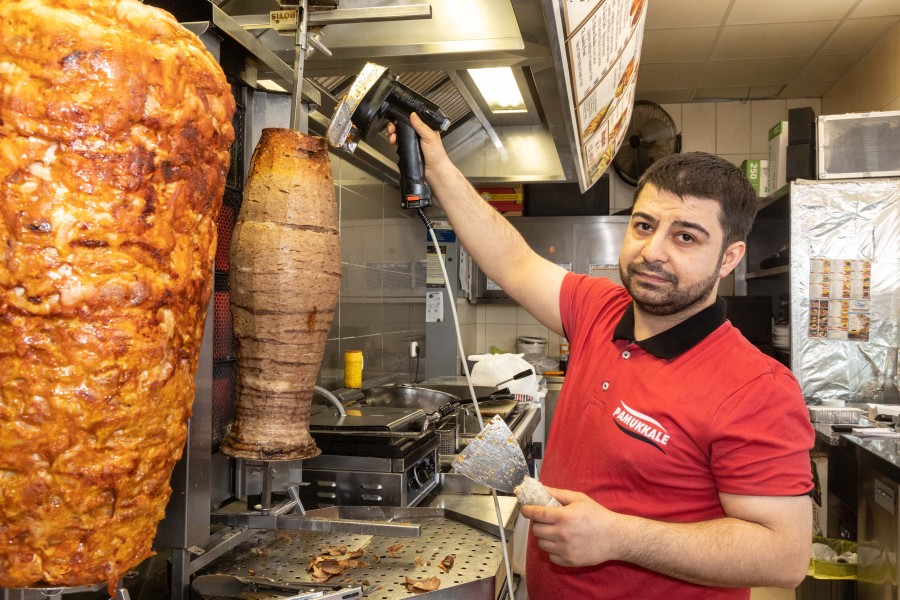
(224, 367)
(335, 84)
(447, 96)
(448, 434)
(434, 85)
(223, 397)
(284, 556)
(225, 226)
(422, 82)
(437, 87)
(223, 326)
(235, 177)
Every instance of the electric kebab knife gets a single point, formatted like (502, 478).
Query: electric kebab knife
(494, 458)
(375, 98)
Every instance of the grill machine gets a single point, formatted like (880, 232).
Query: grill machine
(375, 456)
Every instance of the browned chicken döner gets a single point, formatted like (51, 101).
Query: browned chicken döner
(115, 126)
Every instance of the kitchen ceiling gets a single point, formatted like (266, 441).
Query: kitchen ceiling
(693, 51)
(703, 50)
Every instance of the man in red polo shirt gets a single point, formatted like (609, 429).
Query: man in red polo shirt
(678, 451)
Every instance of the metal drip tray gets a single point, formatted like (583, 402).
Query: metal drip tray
(523, 421)
(283, 556)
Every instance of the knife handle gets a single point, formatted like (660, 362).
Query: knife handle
(532, 492)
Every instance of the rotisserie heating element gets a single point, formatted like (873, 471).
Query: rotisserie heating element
(115, 128)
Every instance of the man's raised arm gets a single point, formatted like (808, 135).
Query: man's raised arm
(494, 244)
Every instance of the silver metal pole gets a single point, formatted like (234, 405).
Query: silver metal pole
(299, 111)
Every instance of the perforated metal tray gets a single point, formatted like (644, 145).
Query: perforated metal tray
(283, 556)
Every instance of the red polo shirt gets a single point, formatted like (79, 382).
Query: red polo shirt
(658, 428)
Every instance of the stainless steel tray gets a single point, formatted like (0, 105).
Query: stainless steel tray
(284, 556)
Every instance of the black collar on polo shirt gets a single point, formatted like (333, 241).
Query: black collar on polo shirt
(681, 338)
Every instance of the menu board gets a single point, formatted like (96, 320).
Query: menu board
(598, 50)
(839, 299)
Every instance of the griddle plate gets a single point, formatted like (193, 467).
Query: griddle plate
(367, 418)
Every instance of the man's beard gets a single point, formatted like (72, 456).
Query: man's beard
(674, 299)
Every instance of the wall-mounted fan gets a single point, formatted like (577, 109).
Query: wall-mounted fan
(651, 135)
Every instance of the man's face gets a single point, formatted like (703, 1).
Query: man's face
(672, 257)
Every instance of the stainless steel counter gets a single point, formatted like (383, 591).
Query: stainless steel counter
(886, 450)
(877, 509)
(827, 436)
(524, 428)
(480, 508)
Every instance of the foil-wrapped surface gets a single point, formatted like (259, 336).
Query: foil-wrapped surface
(849, 220)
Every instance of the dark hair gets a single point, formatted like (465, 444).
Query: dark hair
(707, 176)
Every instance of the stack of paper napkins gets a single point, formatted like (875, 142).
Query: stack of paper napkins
(876, 432)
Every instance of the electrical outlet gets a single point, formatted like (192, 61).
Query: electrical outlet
(413, 349)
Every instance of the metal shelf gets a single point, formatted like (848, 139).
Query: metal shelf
(771, 273)
(776, 204)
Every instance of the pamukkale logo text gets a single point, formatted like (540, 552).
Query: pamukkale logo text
(641, 427)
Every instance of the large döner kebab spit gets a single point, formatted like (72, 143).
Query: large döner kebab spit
(115, 128)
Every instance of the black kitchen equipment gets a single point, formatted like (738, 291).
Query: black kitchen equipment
(375, 98)
(437, 398)
(441, 407)
(800, 162)
(651, 135)
(801, 125)
(565, 199)
(383, 421)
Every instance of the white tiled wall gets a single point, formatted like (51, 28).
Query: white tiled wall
(500, 325)
(735, 131)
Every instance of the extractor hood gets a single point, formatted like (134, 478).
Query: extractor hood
(429, 45)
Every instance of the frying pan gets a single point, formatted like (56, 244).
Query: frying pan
(432, 400)
(408, 396)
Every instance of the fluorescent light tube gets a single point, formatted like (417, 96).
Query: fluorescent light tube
(499, 89)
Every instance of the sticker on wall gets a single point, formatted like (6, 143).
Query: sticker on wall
(435, 276)
(434, 307)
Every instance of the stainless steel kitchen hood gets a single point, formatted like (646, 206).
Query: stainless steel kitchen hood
(430, 54)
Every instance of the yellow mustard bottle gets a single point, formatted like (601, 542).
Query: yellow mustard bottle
(353, 367)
